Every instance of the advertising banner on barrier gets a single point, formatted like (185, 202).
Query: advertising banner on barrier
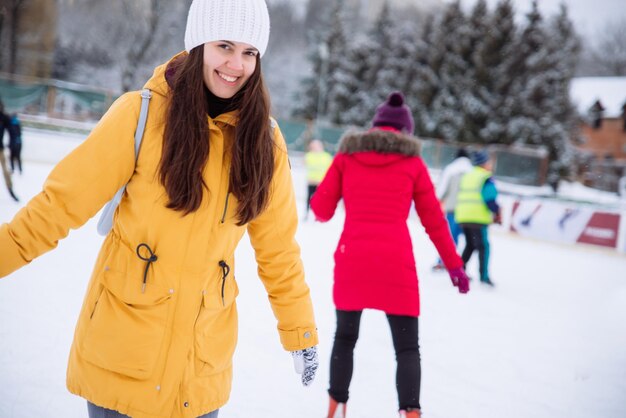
(562, 222)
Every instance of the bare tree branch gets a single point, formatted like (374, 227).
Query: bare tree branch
(610, 51)
(140, 46)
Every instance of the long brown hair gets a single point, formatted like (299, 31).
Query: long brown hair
(186, 141)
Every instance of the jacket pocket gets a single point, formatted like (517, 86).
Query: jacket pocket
(126, 328)
(216, 327)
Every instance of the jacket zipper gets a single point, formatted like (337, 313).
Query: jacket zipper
(225, 270)
(225, 208)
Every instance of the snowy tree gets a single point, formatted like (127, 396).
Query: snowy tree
(371, 93)
(448, 63)
(316, 15)
(131, 36)
(400, 67)
(386, 65)
(474, 105)
(542, 114)
(565, 45)
(348, 93)
(493, 60)
(325, 47)
(423, 86)
(525, 99)
(284, 63)
(308, 97)
(143, 40)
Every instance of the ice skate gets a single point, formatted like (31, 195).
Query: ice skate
(336, 409)
(410, 413)
(438, 267)
(487, 282)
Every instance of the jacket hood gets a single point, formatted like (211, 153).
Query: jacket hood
(379, 147)
(459, 165)
(158, 83)
(381, 141)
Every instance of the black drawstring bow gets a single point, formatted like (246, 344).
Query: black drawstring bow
(225, 270)
(148, 260)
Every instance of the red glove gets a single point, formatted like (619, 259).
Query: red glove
(459, 279)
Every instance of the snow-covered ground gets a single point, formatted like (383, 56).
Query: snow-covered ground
(549, 341)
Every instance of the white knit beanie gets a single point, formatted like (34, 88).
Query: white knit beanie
(245, 21)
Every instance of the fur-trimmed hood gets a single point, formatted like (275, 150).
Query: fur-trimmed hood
(380, 141)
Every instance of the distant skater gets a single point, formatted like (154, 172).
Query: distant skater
(15, 143)
(6, 174)
(317, 162)
(447, 191)
(476, 210)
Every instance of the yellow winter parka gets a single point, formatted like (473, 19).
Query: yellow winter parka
(156, 339)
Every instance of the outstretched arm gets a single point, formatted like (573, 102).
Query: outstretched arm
(75, 189)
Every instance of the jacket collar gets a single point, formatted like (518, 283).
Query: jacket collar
(381, 141)
(229, 118)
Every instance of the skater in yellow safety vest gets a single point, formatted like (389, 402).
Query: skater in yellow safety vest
(317, 162)
(476, 209)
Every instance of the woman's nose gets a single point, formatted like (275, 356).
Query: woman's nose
(235, 63)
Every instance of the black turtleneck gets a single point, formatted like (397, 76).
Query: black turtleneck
(217, 105)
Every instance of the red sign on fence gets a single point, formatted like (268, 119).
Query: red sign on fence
(602, 229)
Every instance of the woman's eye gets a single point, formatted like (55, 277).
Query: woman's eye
(224, 46)
(251, 53)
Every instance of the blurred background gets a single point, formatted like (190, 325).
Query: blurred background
(542, 84)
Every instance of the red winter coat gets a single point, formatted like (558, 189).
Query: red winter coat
(378, 174)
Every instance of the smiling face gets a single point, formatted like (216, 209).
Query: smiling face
(227, 66)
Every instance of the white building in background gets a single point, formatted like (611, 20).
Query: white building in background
(610, 91)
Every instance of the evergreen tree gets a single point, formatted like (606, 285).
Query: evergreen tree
(338, 77)
(348, 91)
(399, 69)
(474, 104)
(381, 41)
(312, 97)
(540, 112)
(389, 65)
(316, 15)
(564, 46)
(493, 61)
(424, 85)
(451, 68)
(307, 99)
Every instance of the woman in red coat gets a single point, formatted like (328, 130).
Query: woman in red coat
(379, 174)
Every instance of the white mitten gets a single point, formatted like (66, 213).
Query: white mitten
(306, 363)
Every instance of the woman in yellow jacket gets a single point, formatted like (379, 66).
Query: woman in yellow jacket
(158, 327)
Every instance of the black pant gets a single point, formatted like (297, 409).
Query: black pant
(311, 189)
(404, 331)
(16, 157)
(476, 239)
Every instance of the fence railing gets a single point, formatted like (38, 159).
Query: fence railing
(54, 98)
(75, 107)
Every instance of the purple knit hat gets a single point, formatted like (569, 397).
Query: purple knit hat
(394, 113)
